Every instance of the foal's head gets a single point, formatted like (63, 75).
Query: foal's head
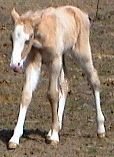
(22, 36)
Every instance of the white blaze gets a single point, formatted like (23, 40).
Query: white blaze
(19, 38)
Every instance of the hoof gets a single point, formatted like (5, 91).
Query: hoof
(48, 140)
(12, 145)
(101, 135)
(52, 142)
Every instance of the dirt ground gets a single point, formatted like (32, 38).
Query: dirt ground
(78, 137)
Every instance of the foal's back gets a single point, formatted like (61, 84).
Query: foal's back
(61, 26)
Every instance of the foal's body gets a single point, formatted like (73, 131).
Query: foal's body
(53, 31)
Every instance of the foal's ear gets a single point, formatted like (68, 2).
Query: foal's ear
(15, 15)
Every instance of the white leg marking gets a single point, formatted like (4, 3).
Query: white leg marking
(32, 77)
(18, 131)
(100, 117)
(62, 100)
(53, 135)
(49, 133)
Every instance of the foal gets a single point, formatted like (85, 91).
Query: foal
(44, 37)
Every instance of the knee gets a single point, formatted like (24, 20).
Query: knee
(53, 95)
(94, 80)
(26, 96)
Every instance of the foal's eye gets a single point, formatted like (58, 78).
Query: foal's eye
(27, 42)
(31, 36)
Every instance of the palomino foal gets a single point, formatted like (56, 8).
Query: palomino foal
(44, 37)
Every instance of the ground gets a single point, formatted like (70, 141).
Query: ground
(78, 137)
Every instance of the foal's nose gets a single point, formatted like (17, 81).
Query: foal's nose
(16, 68)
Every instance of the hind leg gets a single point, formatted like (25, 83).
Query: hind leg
(85, 60)
(95, 84)
(63, 91)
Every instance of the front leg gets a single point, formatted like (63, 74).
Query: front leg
(53, 95)
(32, 77)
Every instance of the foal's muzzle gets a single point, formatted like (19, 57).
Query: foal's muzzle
(16, 68)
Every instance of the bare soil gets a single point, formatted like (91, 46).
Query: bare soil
(78, 137)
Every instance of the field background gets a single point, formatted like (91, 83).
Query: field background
(78, 137)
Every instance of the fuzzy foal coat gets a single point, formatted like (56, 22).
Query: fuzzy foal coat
(52, 32)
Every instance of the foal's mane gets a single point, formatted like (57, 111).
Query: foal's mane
(31, 14)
